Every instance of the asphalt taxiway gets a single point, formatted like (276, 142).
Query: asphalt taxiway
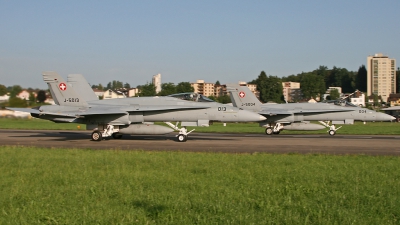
(211, 142)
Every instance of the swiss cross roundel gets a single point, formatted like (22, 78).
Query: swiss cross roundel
(242, 94)
(62, 86)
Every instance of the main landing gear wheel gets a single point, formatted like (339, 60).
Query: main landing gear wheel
(97, 136)
(332, 132)
(269, 131)
(182, 138)
(116, 136)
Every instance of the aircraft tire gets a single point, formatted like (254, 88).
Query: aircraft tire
(116, 136)
(182, 138)
(269, 131)
(332, 132)
(97, 136)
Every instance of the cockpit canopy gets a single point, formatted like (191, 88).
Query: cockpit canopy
(340, 102)
(191, 96)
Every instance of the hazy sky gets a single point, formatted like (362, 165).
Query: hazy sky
(229, 41)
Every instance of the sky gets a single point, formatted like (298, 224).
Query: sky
(225, 40)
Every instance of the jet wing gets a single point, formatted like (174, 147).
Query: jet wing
(273, 112)
(320, 110)
(161, 108)
(107, 110)
(28, 110)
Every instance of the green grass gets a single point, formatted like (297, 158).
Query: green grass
(70, 186)
(37, 124)
(370, 128)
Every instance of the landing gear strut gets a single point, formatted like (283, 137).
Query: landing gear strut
(332, 129)
(273, 129)
(97, 135)
(183, 133)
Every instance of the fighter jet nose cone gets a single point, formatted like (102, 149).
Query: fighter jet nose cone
(386, 117)
(263, 117)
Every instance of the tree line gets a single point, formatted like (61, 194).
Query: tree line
(149, 89)
(14, 101)
(315, 83)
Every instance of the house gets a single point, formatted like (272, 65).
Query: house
(133, 92)
(24, 95)
(113, 94)
(4, 98)
(371, 99)
(394, 99)
(358, 99)
(99, 93)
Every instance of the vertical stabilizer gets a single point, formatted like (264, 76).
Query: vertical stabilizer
(79, 83)
(63, 94)
(243, 98)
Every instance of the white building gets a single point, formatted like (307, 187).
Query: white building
(98, 93)
(358, 100)
(113, 94)
(157, 82)
(381, 76)
(4, 98)
(24, 95)
(206, 89)
(133, 92)
(328, 92)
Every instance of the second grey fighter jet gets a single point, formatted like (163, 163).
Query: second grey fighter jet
(114, 117)
(297, 115)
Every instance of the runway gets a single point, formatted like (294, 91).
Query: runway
(210, 142)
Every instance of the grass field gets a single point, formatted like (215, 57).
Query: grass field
(70, 186)
(370, 128)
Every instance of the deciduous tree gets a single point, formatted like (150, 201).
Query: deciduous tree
(270, 88)
(167, 89)
(312, 85)
(15, 90)
(3, 90)
(184, 87)
(334, 94)
(148, 89)
(41, 96)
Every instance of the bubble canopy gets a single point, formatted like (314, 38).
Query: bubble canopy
(340, 102)
(191, 96)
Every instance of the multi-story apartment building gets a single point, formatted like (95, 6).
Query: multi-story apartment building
(381, 76)
(211, 89)
(206, 89)
(289, 88)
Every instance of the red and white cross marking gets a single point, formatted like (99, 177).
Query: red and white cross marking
(242, 94)
(62, 86)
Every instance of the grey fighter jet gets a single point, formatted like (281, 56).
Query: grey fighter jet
(296, 116)
(114, 117)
